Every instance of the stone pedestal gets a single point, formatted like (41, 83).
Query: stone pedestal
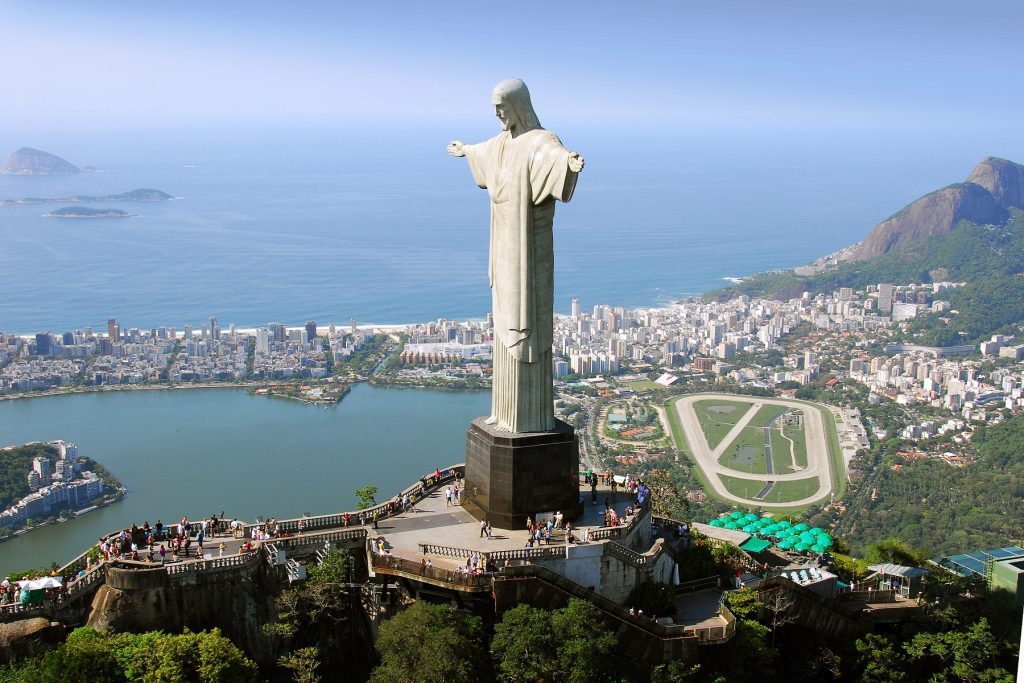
(512, 476)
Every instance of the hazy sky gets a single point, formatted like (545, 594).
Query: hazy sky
(716, 63)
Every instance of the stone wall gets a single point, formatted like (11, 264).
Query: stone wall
(237, 600)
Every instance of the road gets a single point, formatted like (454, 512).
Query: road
(818, 461)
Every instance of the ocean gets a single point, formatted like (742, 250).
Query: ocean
(326, 223)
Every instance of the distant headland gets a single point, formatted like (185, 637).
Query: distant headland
(86, 212)
(140, 195)
(28, 161)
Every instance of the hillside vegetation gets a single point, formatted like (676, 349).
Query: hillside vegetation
(15, 464)
(944, 509)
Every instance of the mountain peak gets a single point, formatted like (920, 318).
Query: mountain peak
(994, 185)
(1004, 179)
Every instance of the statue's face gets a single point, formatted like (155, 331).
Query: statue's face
(507, 115)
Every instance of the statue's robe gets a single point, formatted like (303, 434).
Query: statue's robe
(524, 176)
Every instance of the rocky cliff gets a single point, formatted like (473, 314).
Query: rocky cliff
(28, 161)
(238, 601)
(993, 186)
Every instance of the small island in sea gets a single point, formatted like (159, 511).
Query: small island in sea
(140, 195)
(86, 212)
(28, 161)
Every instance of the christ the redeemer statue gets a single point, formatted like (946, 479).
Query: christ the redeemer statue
(524, 170)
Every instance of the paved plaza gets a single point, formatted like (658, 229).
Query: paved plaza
(432, 521)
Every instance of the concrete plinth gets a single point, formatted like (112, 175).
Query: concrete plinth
(512, 476)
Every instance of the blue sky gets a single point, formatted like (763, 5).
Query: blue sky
(718, 64)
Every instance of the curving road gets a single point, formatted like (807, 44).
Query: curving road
(818, 461)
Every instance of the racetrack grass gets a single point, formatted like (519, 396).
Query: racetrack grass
(765, 414)
(800, 440)
(746, 452)
(716, 425)
(782, 492)
(681, 444)
(782, 454)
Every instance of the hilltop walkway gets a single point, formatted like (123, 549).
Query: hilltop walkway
(431, 524)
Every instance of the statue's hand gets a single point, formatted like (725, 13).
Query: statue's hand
(575, 162)
(455, 148)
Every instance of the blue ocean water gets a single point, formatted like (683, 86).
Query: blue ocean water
(325, 224)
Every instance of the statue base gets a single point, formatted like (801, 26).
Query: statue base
(511, 476)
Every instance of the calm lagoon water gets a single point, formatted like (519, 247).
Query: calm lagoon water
(203, 451)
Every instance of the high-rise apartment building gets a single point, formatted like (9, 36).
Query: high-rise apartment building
(885, 298)
(575, 308)
(310, 330)
(112, 330)
(44, 344)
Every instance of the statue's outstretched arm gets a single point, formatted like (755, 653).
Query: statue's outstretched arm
(455, 148)
(575, 161)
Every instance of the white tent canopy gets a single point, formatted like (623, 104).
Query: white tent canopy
(39, 584)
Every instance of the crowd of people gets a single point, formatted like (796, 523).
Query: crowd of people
(164, 543)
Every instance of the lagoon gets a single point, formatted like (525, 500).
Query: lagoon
(197, 452)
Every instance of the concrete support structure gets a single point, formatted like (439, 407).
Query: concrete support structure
(511, 476)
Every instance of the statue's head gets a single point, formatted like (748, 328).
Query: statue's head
(512, 106)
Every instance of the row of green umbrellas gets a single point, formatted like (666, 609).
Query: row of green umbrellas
(785, 534)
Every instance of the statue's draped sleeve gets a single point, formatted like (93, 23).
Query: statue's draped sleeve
(550, 177)
(483, 162)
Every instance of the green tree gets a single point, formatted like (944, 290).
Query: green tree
(367, 497)
(895, 551)
(316, 614)
(303, 663)
(570, 644)
(523, 646)
(432, 644)
(90, 656)
(970, 654)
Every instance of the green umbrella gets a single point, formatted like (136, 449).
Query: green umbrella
(750, 517)
(781, 534)
(817, 531)
(736, 514)
(825, 542)
(807, 536)
(824, 537)
(803, 545)
(731, 525)
(749, 529)
(716, 522)
(787, 544)
(801, 527)
(784, 524)
(818, 548)
(770, 529)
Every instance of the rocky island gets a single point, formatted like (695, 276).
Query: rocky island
(140, 195)
(86, 212)
(28, 161)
